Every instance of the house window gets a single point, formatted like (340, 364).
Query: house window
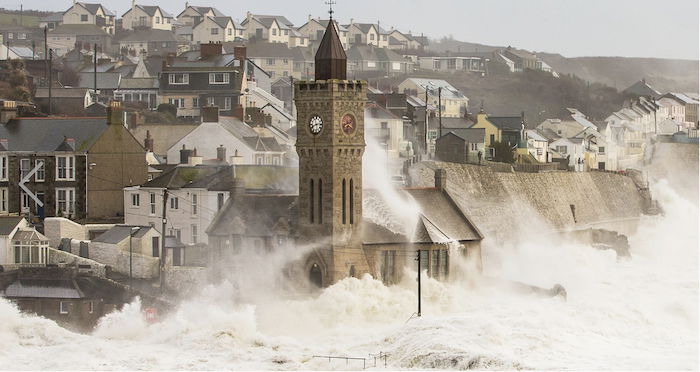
(286, 32)
(474, 146)
(562, 150)
(194, 234)
(179, 79)
(63, 305)
(155, 246)
(177, 102)
(152, 197)
(371, 37)
(492, 139)
(601, 150)
(91, 307)
(65, 201)
(174, 202)
(195, 102)
(214, 31)
(388, 266)
(285, 61)
(40, 174)
(227, 103)
(270, 61)
(135, 199)
(229, 31)
(194, 204)
(83, 18)
(157, 20)
(219, 201)
(3, 200)
(65, 168)
(25, 166)
(3, 168)
(274, 32)
(219, 78)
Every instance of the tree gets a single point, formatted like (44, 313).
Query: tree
(503, 152)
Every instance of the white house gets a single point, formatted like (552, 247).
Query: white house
(192, 15)
(315, 28)
(146, 16)
(538, 146)
(90, 14)
(385, 128)
(367, 34)
(454, 102)
(216, 29)
(572, 149)
(271, 28)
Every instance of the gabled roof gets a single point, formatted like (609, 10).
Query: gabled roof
(255, 215)
(46, 134)
(642, 88)
(92, 8)
(469, 135)
(151, 10)
(182, 175)
(263, 144)
(202, 10)
(374, 111)
(119, 233)
(139, 83)
(506, 122)
(221, 21)
(267, 21)
(535, 135)
(42, 288)
(8, 223)
(53, 17)
(105, 80)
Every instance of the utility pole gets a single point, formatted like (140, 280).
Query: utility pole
(50, 80)
(162, 240)
(94, 69)
(419, 271)
(291, 96)
(425, 132)
(440, 110)
(46, 53)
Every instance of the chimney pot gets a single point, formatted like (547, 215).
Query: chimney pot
(221, 153)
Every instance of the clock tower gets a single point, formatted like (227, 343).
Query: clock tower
(330, 144)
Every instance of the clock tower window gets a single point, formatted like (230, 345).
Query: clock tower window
(352, 203)
(344, 201)
(311, 201)
(320, 200)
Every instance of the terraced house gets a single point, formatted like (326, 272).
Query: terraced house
(90, 14)
(146, 17)
(209, 78)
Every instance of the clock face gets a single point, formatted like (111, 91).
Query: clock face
(315, 124)
(348, 124)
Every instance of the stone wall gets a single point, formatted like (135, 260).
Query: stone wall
(142, 266)
(505, 205)
(64, 258)
(56, 228)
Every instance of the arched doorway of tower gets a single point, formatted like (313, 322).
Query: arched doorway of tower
(315, 276)
(353, 271)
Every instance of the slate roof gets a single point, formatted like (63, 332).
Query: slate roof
(182, 176)
(42, 288)
(8, 223)
(449, 123)
(173, 242)
(641, 88)
(164, 136)
(120, 232)
(61, 92)
(254, 215)
(535, 135)
(92, 8)
(506, 122)
(202, 10)
(260, 178)
(469, 135)
(267, 20)
(149, 35)
(151, 10)
(221, 21)
(46, 134)
(448, 91)
(138, 83)
(53, 17)
(373, 110)
(373, 233)
(524, 54)
(81, 30)
(268, 50)
(105, 80)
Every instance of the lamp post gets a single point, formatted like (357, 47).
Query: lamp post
(132, 231)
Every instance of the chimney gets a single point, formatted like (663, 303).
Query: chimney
(238, 112)
(194, 159)
(148, 142)
(115, 113)
(185, 155)
(70, 142)
(441, 179)
(309, 17)
(237, 186)
(236, 159)
(210, 49)
(210, 114)
(221, 153)
(239, 52)
(352, 21)
(8, 111)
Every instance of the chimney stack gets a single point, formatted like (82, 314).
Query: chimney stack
(239, 112)
(210, 114)
(194, 159)
(148, 142)
(221, 153)
(115, 113)
(236, 159)
(239, 53)
(441, 179)
(185, 155)
(210, 49)
(8, 111)
(237, 186)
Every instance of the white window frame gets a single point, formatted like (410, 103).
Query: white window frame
(172, 79)
(177, 102)
(91, 307)
(67, 171)
(214, 31)
(225, 77)
(195, 204)
(25, 202)
(174, 203)
(135, 200)
(25, 166)
(195, 235)
(40, 175)
(63, 307)
(3, 168)
(68, 200)
(4, 192)
(152, 203)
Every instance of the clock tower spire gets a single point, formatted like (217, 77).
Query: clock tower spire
(330, 144)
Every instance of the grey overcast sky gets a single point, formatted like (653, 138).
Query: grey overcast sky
(630, 28)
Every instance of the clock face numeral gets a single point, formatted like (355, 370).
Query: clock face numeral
(348, 124)
(315, 124)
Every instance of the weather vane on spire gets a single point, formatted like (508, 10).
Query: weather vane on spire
(330, 4)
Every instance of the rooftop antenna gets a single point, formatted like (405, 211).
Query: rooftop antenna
(330, 4)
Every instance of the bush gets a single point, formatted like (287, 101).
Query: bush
(168, 109)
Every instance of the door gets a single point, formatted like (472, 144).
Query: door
(40, 210)
(177, 256)
(601, 165)
(315, 276)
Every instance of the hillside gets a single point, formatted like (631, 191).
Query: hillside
(620, 72)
